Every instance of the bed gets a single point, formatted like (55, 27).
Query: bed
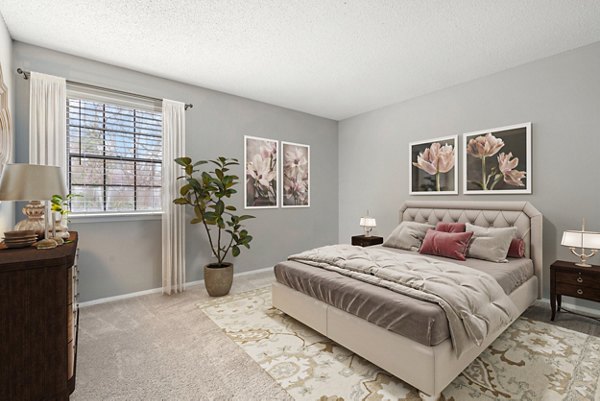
(423, 356)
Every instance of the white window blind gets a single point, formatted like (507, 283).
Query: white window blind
(114, 152)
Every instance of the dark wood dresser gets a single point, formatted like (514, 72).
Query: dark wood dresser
(38, 316)
(573, 281)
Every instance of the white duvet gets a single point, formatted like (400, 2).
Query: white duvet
(474, 303)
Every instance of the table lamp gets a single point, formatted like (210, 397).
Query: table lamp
(23, 182)
(582, 240)
(368, 223)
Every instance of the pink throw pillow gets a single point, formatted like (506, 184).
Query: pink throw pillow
(451, 227)
(517, 248)
(450, 245)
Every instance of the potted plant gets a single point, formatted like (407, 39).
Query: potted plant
(207, 193)
(60, 214)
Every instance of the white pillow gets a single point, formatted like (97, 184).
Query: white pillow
(490, 243)
(408, 235)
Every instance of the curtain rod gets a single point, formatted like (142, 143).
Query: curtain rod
(27, 74)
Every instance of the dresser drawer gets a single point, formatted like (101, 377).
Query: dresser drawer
(585, 279)
(592, 294)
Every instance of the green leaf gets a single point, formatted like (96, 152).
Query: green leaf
(210, 216)
(235, 250)
(230, 207)
(245, 217)
(219, 207)
(196, 221)
(183, 161)
(219, 174)
(185, 189)
(200, 162)
(180, 201)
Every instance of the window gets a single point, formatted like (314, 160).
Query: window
(114, 153)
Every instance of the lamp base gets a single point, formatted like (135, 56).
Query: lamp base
(583, 264)
(46, 244)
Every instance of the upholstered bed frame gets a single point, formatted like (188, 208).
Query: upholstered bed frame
(429, 369)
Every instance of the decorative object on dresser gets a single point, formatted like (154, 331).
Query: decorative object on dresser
(433, 164)
(295, 175)
(498, 160)
(38, 315)
(261, 167)
(60, 208)
(567, 278)
(19, 239)
(207, 196)
(32, 181)
(364, 240)
(583, 240)
(368, 223)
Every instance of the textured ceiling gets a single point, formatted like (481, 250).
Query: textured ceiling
(326, 57)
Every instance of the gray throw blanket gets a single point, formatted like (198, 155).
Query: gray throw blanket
(473, 301)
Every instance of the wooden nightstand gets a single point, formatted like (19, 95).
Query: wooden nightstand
(361, 240)
(573, 281)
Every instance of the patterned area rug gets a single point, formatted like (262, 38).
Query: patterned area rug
(530, 361)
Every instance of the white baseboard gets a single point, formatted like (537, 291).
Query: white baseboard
(576, 308)
(158, 290)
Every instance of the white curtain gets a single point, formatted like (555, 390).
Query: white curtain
(173, 218)
(48, 121)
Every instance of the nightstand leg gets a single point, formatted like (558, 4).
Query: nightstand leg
(553, 305)
(559, 302)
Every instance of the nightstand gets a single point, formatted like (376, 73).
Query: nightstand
(573, 281)
(361, 240)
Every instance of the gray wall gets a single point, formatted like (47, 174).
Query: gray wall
(124, 256)
(7, 208)
(560, 95)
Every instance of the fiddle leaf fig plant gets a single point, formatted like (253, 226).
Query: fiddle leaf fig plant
(207, 191)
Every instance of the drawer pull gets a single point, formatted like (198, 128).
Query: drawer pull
(580, 291)
(579, 280)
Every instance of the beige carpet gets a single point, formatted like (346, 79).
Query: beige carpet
(163, 348)
(532, 360)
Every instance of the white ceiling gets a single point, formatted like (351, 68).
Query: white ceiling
(332, 58)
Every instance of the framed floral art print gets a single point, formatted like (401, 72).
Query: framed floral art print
(433, 165)
(498, 160)
(295, 175)
(261, 164)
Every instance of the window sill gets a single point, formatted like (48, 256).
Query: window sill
(83, 218)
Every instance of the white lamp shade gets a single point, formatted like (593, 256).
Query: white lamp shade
(581, 239)
(31, 182)
(367, 222)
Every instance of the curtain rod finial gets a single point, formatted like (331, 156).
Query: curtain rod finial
(20, 71)
(188, 106)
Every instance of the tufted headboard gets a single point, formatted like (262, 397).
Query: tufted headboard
(522, 215)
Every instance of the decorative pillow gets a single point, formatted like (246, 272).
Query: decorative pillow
(490, 243)
(450, 245)
(517, 248)
(408, 235)
(451, 227)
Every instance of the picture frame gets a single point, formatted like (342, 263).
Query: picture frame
(261, 173)
(295, 175)
(498, 161)
(425, 160)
